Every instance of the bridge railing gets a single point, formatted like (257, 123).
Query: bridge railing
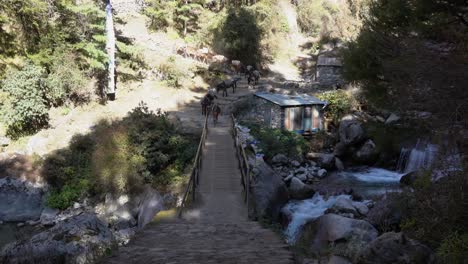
(243, 163)
(196, 168)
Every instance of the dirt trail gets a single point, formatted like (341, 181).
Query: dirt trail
(290, 49)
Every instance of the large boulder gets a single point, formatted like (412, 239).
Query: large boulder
(340, 149)
(409, 178)
(269, 192)
(367, 153)
(385, 215)
(396, 248)
(343, 205)
(80, 239)
(299, 190)
(351, 131)
(119, 212)
(20, 201)
(343, 236)
(324, 160)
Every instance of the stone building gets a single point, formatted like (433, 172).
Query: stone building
(329, 70)
(300, 113)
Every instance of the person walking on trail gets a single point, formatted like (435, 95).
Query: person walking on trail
(216, 112)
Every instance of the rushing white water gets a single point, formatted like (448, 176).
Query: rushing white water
(373, 175)
(422, 156)
(304, 211)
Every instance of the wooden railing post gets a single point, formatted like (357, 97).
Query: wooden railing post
(196, 168)
(243, 164)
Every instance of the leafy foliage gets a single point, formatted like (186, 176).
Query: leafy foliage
(278, 141)
(25, 111)
(118, 158)
(239, 36)
(435, 213)
(339, 104)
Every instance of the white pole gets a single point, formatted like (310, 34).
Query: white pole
(110, 48)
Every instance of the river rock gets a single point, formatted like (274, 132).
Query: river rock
(48, 216)
(120, 212)
(295, 163)
(20, 201)
(339, 164)
(340, 149)
(322, 173)
(79, 239)
(299, 190)
(303, 177)
(392, 119)
(343, 205)
(361, 208)
(324, 160)
(351, 131)
(392, 248)
(268, 191)
(367, 153)
(385, 215)
(300, 170)
(341, 235)
(279, 159)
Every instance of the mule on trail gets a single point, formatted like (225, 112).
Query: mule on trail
(216, 110)
(206, 103)
(222, 87)
(254, 77)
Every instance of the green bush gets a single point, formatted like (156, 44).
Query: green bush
(172, 73)
(67, 195)
(26, 111)
(339, 104)
(454, 249)
(66, 82)
(119, 157)
(278, 141)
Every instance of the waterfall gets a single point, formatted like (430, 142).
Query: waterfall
(421, 156)
(110, 48)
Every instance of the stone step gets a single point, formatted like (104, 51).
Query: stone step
(187, 242)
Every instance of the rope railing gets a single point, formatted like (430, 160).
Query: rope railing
(243, 163)
(196, 168)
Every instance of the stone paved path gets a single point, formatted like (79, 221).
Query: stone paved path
(216, 229)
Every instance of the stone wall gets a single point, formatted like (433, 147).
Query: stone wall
(329, 75)
(272, 115)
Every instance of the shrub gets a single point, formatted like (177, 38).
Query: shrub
(277, 141)
(66, 82)
(454, 248)
(119, 157)
(172, 73)
(26, 111)
(339, 104)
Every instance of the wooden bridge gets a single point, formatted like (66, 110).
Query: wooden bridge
(215, 227)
